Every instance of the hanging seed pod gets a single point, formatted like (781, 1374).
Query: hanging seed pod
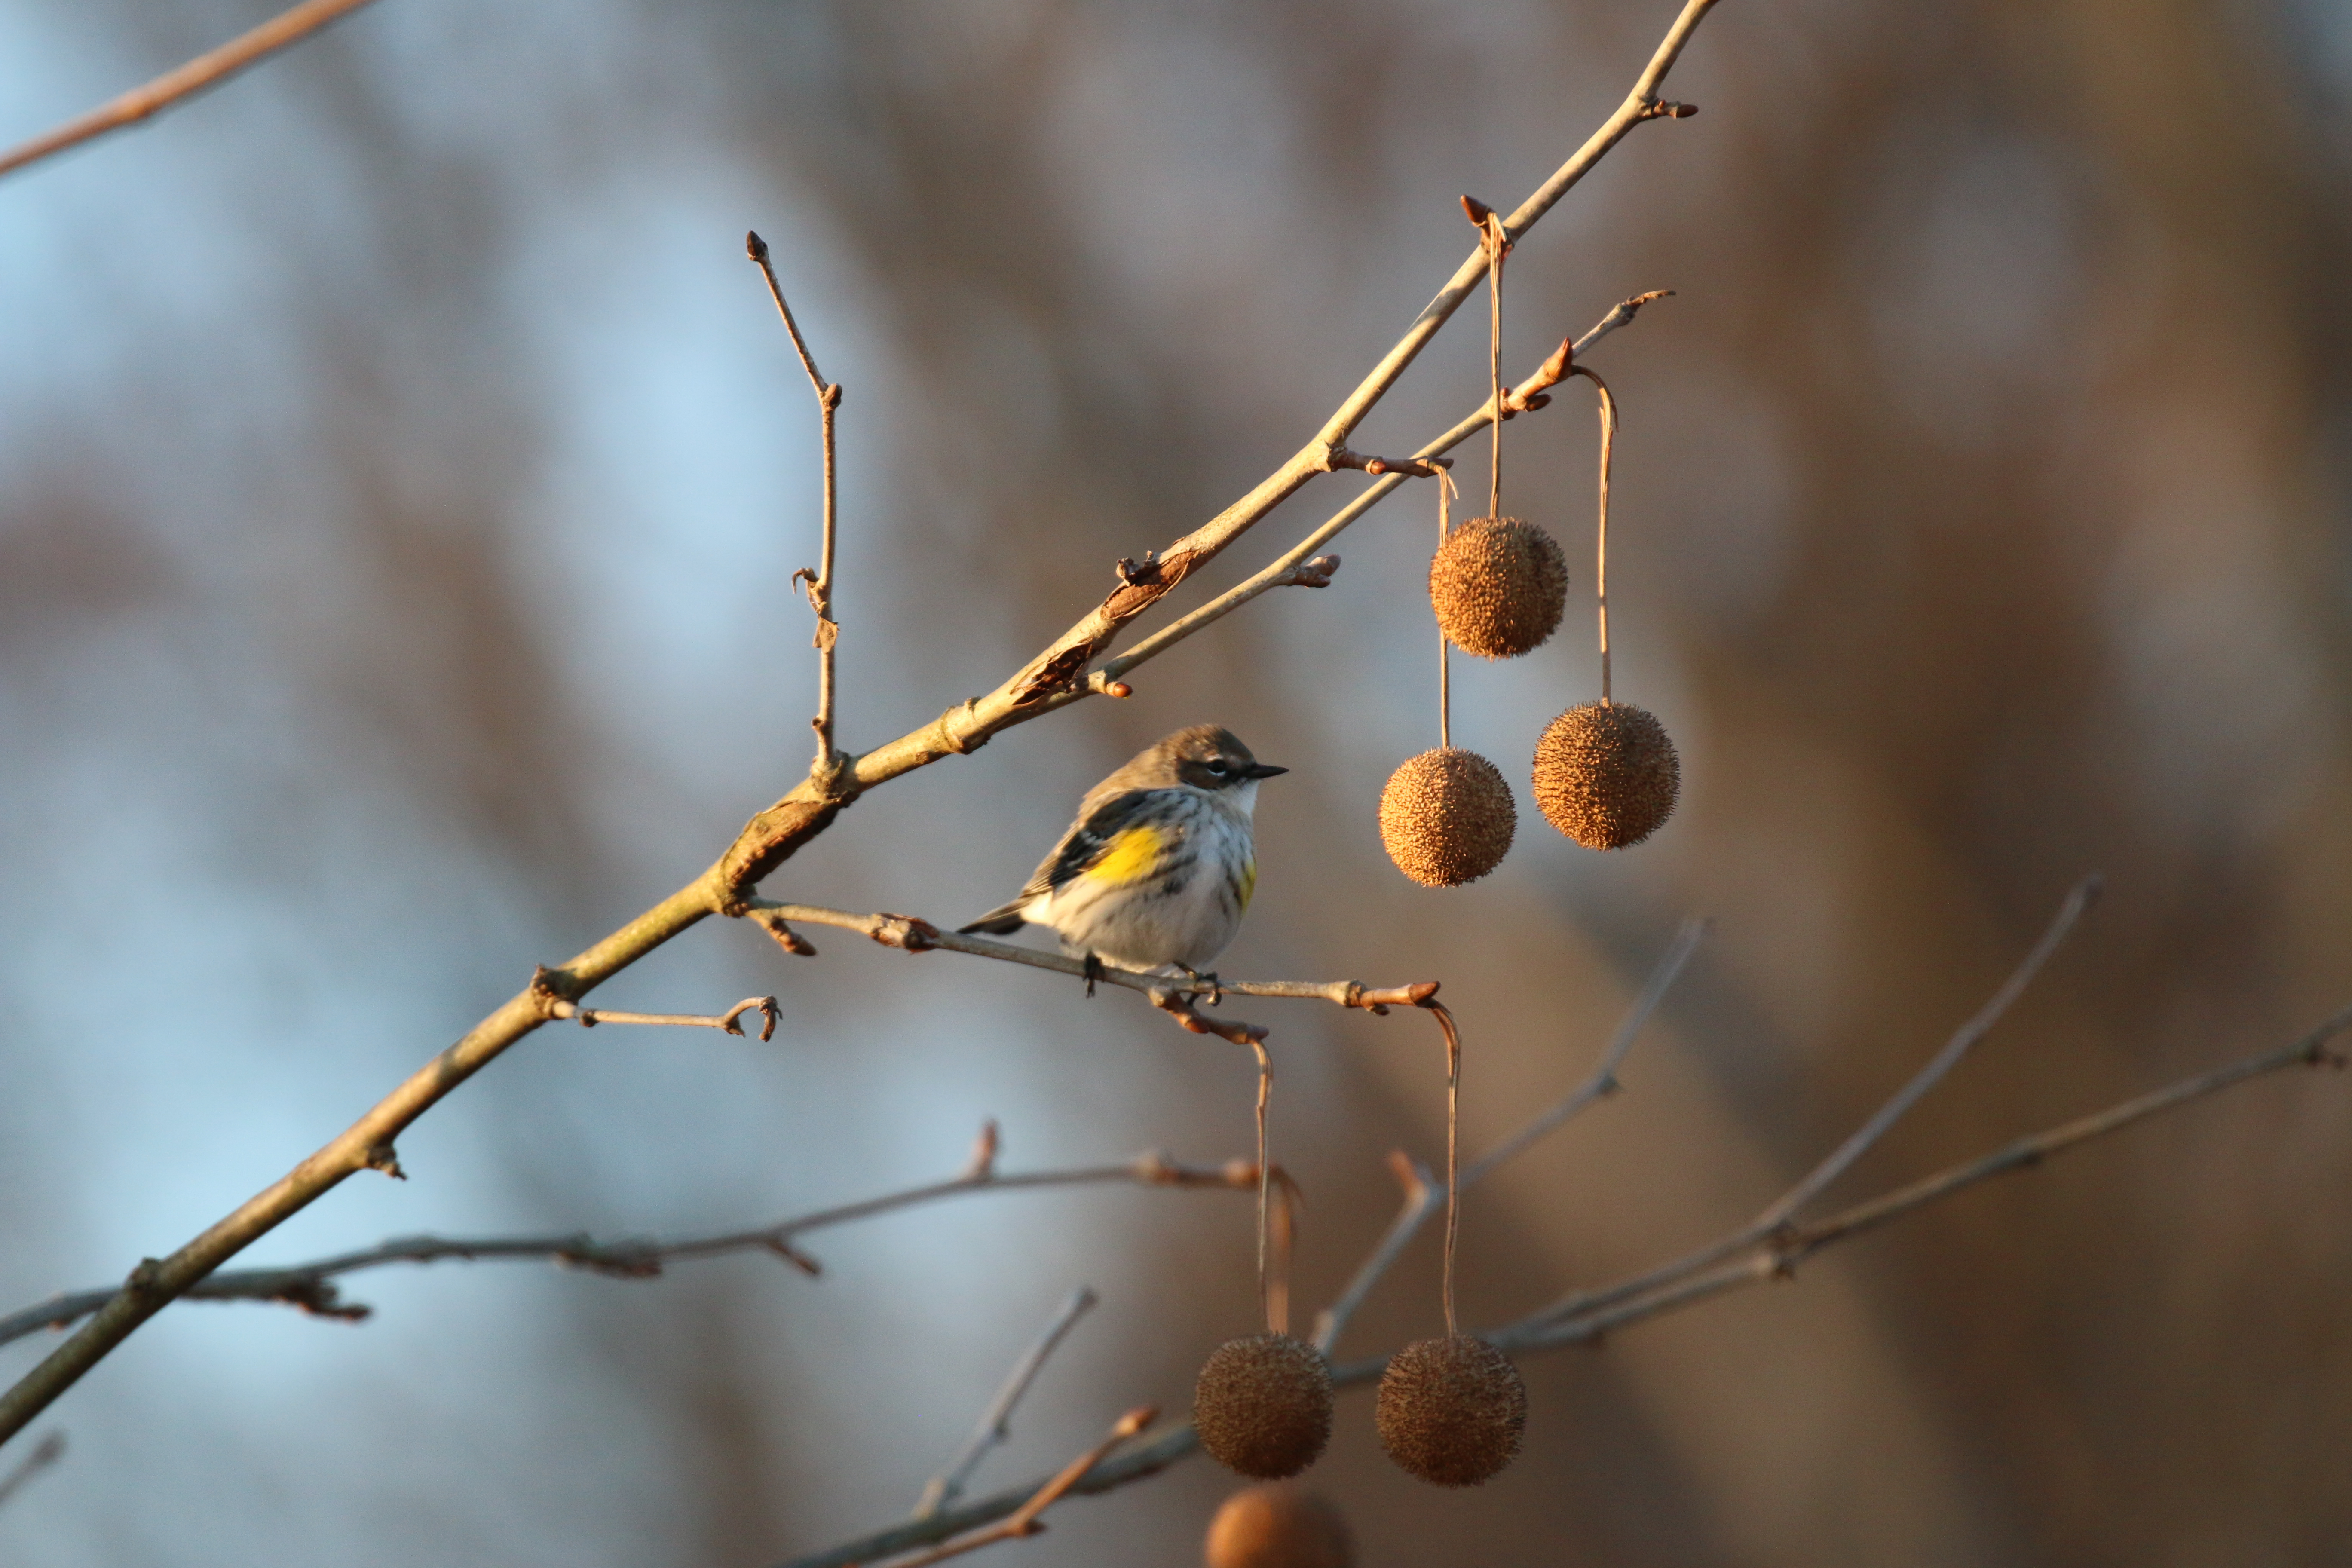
(1278, 1525)
(1263, 1405)
(1606, 774)
(1446, 818)
(1499, 585)
(1451, 1410)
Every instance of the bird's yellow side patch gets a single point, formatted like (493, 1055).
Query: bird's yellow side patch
(1131, 856)
(1249, 881)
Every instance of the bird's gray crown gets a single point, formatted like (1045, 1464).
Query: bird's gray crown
(1206, 756)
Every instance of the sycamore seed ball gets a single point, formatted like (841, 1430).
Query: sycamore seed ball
(1498, 585)
(1606, 774)
(1263, 1405)
(1451, 1410)
(1446, 818)
(1278, 1525)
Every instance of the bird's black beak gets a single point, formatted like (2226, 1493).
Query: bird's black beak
(1262, 770)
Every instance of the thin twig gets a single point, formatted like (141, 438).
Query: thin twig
(1531, 393)
(829, 763)
(1024, 1519)
(1602, 1080)
(205, 71)
(996, 1423)
(729, 1022)
(1600, 545)
(310, 1286)
(775, 835)
(1423, 1194)
(1776, 1257)
(914, 934)
(46, 1452)
(1964, 1039)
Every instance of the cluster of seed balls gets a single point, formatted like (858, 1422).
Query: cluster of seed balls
(1450, 1410)
(1605, 774)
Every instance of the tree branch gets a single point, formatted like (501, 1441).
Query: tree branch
(1964, 1039)
(1024, 1520)
(310, 1286)
(1776, 1257)
(205, 71)
(995, 1425)
(775, 834)
(912, 933)
(1424, 1195)
(1531, 393)
(825, 771)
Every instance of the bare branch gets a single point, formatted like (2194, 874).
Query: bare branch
(913, 934)
(205, 71)
(775, 834)
(995, 1425)
(1602, 1081)
(1023, 1519)
(1531, 393)
(1775, 1256)
(1424, 1195)
(728, 1021)
(826, 771)
(1964, 1039)
(310, 1286)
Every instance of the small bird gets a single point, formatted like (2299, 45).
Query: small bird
(1158, 866)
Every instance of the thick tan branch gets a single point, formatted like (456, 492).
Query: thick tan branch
(185, 81)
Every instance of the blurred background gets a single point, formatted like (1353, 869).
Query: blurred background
(401, 473)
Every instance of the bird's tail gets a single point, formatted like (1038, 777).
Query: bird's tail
(1002, 921)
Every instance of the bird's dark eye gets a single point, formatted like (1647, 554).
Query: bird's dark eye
(1218, 767)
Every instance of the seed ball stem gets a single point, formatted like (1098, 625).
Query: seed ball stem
(1263, 1405)
(1606, 774)
(1447, 817)
(1452, 1410)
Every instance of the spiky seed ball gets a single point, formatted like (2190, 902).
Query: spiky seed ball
(1451, 1410)
(1499, 584)
(1446, 818)
(1606, 774)
(1278, 1525)
(1263, 1405)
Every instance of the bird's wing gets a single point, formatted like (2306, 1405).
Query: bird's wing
(1108, 841)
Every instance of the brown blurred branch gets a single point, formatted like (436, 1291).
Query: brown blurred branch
(775, 834)
(310, 1286)
(1424, 1195)
(1024, 1520)
(1810, 1185)
(289, 27)
(1776, 1257)
(995, 1425)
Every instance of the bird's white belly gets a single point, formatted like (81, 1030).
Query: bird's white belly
(1184, 917)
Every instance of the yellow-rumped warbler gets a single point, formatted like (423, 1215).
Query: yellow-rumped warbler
(1158, 866)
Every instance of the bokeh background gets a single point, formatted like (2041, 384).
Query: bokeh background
(401, 471)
